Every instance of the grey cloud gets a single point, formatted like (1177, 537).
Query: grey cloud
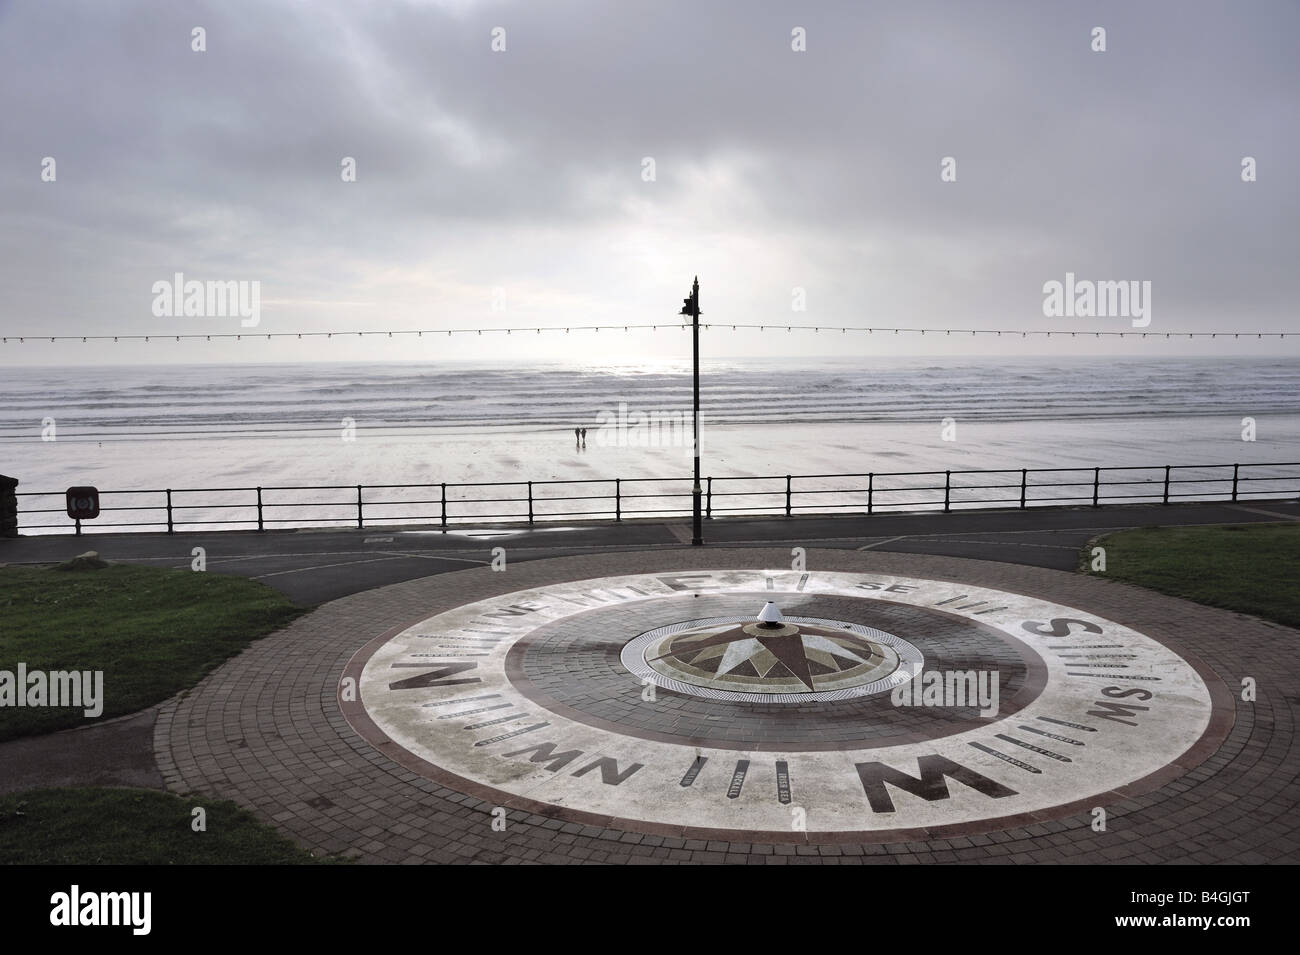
(1122, 164)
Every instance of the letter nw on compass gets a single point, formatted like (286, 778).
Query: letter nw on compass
(786, 656)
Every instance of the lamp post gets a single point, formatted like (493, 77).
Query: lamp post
(691, 307)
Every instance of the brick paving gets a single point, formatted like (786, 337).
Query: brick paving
(266, 731)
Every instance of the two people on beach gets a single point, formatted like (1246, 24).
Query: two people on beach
(579, 437)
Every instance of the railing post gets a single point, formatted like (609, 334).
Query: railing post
(1166, 497)
(871, 490)
(444, 503)
(1234, 482)
(170, 529)
(359, 522)
(787, 495)
(1024, 482)
(947, 490)
(1096, 484)
(708, 499)
(530, 502)
(618, 499)
(259, 509)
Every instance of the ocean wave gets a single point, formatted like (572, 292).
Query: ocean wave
(172, 399)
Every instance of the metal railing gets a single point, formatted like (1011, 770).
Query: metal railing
(388, 505)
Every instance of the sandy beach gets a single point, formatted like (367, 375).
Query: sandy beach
(418, 456)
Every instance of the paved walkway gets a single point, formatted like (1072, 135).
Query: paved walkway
(314, 566)
(116, 752)
(266, 730)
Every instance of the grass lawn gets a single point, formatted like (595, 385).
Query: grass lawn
(1250, 568)
(134, 827)
(153, 632)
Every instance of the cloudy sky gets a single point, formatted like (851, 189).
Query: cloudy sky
(511, 187)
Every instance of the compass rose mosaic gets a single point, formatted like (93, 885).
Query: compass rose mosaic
(749, 701)
(785, 660)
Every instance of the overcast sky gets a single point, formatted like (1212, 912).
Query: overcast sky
(509, 187)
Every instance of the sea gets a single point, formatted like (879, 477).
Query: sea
(135, 431)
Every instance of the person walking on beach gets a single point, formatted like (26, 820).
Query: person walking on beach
(584, 437)
(577, 437)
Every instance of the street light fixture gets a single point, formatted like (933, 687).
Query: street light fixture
(691, 307)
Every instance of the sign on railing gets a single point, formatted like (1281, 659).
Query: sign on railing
(83, 503)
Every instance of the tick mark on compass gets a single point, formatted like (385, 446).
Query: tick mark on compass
(1077, 726)
(694, 771)
(1009, 759)
(1034, 749)
(504, 736)
(738, 779)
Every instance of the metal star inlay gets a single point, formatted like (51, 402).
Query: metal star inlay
(774, 651)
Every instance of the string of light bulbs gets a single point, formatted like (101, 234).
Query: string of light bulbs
(732, 326)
